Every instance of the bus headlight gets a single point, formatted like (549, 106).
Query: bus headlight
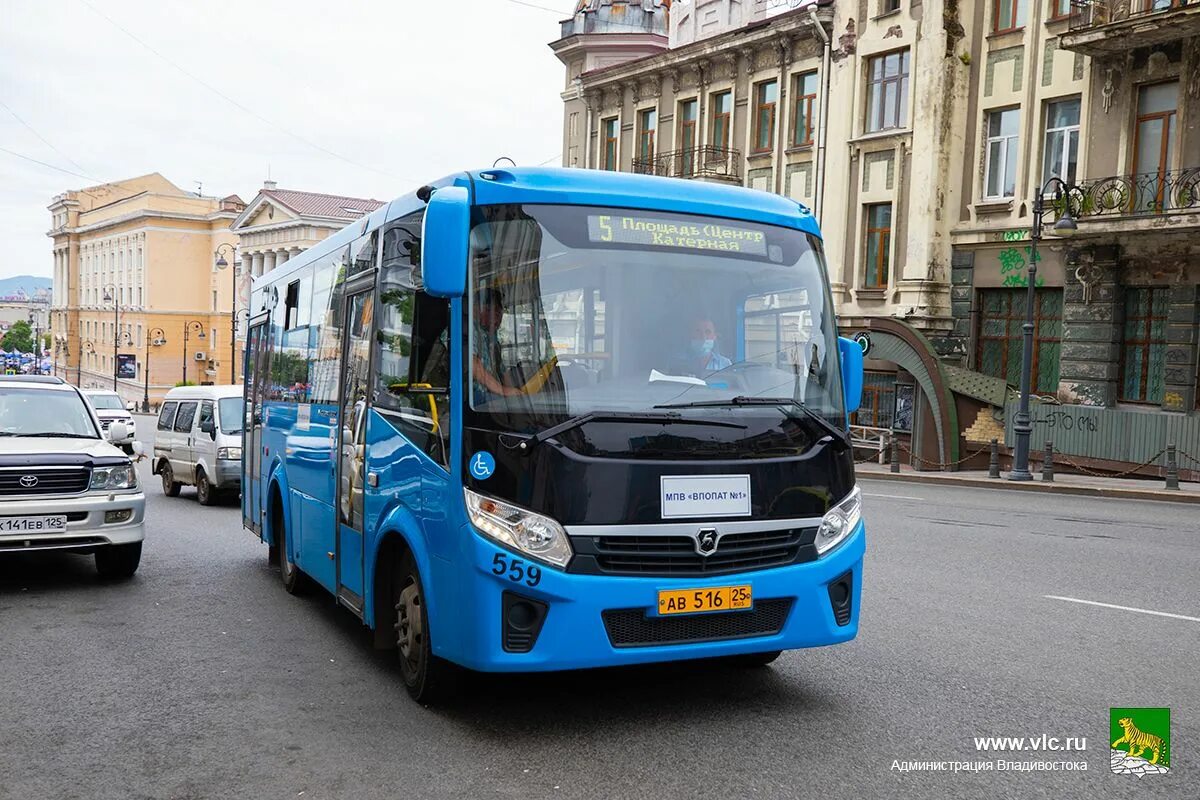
(840, 521)
(119, 477)
(533, 534)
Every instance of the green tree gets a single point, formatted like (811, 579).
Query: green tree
(19, 337)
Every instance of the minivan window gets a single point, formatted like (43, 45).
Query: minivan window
(166, 417)
(187, 414)
(232, 413)
(206, 413)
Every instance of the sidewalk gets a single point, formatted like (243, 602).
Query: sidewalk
(1127, 488)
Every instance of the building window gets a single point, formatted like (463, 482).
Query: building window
(722, 111)
(1062, 141)
(608, 130)
(1060, 9)
(1154, 145)
(879, 246)
(888, 6)
(687, 136)
(1008, 15)
(647, 127)
(1144, 349)
(878, 400)
(887, 92)
(1001, 321)
(804, 102)
(1000, 171)
(766, 95)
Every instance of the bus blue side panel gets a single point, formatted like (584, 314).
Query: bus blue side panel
(316, 541)
(350, 556)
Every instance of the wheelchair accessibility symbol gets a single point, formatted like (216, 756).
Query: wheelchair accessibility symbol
(482, 465)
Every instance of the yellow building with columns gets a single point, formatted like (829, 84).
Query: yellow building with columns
(136, 287)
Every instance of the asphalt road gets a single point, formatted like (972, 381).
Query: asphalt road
(201, 678)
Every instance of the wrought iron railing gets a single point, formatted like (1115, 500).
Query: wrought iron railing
(1147, 193)
(1094, 13)
(693, 162)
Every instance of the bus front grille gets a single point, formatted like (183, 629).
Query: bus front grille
(633, 628)
(676, 555)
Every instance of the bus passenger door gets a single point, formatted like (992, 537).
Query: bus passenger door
(255, 382)
(351, 465)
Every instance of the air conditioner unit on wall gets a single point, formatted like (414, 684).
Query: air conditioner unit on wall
(200, 355)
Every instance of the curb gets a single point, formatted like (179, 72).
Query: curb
(1036, 486)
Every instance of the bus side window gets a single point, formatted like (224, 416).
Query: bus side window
(412, 367)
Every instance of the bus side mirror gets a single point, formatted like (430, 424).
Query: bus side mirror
(852, 372)
(444, 233)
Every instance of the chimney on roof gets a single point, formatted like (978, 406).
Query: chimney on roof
(269, 184)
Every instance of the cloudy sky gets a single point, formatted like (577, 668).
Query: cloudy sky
(367, 98)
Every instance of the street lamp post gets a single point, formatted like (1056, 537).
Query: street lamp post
(1064, 226)
(187, 326)
(158, 337)
(233, 312)
(86, 347)
(36, 323)
(110, 295)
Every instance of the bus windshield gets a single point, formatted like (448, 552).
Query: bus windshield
(576, 309)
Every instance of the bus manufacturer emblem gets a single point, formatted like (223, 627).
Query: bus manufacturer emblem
(706, 541)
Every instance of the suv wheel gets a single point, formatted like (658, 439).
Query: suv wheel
(118, 561)
(170, 485)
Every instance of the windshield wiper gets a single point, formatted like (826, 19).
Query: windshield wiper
(616, 416)
(52, 435)
(837, 433)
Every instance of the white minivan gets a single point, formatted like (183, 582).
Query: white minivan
(198, 441)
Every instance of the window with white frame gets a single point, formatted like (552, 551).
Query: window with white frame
(1061, 155)
(1000, 168)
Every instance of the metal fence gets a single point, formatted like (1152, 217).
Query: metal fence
(1147, 193)
(1115, 434)
(693, 162)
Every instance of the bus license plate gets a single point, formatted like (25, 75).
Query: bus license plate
(32, 524)
(695, 601)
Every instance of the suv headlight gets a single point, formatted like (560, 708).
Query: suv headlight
(533, 534)
(839, 522)
(122, 476)
(229, 454)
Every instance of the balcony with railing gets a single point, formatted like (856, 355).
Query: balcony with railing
(706, 163)
(1138, 198)
(1102, 28)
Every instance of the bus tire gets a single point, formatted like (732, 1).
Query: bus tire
(294, 581)
(753, 660)
(429, 680)
(170, 486)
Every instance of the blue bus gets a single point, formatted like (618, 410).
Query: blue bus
(548, 419)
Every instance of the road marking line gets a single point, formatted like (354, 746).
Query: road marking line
(892, 496)
(1121, 608)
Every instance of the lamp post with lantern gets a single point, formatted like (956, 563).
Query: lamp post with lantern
(222, 263)
(188, 326)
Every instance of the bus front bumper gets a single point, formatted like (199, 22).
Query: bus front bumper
(598, 621)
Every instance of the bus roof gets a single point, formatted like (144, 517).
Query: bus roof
(559, 185)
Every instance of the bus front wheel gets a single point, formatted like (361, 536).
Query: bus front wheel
(429, 679)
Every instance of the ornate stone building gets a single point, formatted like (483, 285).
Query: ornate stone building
(919, 133)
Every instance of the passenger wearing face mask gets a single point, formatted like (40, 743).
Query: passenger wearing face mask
(702, 356)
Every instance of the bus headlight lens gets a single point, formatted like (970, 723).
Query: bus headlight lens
(840, 521)
(533, 534)
(119, 477)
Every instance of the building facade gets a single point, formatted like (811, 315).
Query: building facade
(919, 134)
(136, 290)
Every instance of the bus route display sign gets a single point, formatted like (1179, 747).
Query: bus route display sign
(651, 232)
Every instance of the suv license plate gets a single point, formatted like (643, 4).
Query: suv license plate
(696, 601)
(32, 524)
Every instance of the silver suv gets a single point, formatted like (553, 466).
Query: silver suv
(110, 408)
(62, 485)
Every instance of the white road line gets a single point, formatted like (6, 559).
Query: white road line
(1121, 608)
(893, 496)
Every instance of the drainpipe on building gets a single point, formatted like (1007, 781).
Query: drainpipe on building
(819, 189)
